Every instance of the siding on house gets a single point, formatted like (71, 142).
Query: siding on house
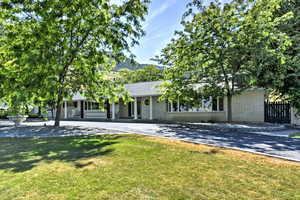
(248, 106)
(144, 89)
(197, 116)
(159, 109)
(93, 114)
(295, 120)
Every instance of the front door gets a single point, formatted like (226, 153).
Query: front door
(131, 109)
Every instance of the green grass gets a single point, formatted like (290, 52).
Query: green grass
(136, 167)
(295, 135)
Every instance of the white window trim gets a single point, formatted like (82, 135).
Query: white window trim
(202, 108)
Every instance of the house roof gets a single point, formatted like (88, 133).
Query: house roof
(78, 97)
(144, 88)
(135, 89)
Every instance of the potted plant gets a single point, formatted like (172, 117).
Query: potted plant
(17, 114)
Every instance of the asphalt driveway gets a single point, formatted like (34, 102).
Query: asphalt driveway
(260, 139)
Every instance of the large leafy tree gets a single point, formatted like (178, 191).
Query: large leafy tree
(284, 78)
(147, 73)
(56, 48)
(222, 48)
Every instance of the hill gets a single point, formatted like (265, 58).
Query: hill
(134, 67)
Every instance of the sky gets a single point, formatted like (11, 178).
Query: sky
(164, 17)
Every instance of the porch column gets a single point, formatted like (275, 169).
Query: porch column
(135, 108)
(211, 102)
(178, 105)
(218, 104)
(66, 109)
(172, 108)
(82, 109)
(113, 110)
(78, 106)
(151, 106)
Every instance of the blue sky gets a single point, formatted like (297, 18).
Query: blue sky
(163, 19)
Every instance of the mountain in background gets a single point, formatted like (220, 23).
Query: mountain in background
(134, 67)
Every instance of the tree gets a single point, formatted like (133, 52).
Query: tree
(62, 47)
(284, 79)
(220, 48)
(147, 73)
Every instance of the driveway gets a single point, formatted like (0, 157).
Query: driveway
(259, 139)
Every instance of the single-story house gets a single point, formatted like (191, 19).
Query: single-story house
(246, 107)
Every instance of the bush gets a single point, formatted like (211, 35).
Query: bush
(3, 114)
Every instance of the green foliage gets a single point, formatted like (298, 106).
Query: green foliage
(284, 78)
(16, 93)
(223, 48)
(3, 114)
(148, 73)
(58, 48)
(295, 135)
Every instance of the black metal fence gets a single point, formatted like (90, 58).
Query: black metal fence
(277, 112)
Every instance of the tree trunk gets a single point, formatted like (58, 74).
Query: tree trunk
(58, 110)
(39, 111)
(52, 112)
(57, 115)
(229, 108)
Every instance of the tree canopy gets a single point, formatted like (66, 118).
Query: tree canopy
(147, 73)
(223, 48)
(52, 49)
(284, 78)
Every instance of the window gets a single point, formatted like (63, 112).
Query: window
(205, 105)
(215, 104)
(147, 102)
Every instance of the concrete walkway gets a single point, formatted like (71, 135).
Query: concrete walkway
(259, 139)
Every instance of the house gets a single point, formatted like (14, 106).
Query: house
(246, 107)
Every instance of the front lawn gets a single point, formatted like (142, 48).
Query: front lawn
(295, 135)
(138, 167)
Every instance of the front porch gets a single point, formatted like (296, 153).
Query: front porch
(141, 108)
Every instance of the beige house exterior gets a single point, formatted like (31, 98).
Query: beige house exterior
(295, 120)
(246, 107)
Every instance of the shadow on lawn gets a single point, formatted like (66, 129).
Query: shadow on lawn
(22, 154)
(50, 131)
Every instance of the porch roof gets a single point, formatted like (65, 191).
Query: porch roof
(78, 97)
(144, 88)
(135, 89)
